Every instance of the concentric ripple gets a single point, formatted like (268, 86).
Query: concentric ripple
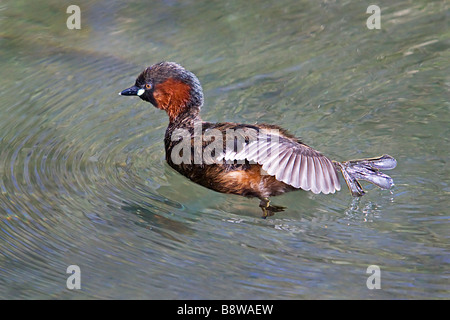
(63, 160)
(83, 179)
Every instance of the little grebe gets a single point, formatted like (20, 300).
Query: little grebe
(257, 160)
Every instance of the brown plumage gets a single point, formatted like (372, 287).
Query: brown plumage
(251, 160)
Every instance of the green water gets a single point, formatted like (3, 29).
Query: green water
(83, 180)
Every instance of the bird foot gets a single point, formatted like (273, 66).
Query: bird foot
(269, 210)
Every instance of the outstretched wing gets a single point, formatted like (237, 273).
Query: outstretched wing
(288, 160)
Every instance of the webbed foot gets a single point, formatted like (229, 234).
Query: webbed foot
(269, 210)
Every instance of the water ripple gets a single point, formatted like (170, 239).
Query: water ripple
(83, 178)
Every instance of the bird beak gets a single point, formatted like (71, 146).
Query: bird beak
(132, 91)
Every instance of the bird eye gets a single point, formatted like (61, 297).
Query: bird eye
(148, 86)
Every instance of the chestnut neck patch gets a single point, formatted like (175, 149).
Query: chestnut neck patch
(173, 96)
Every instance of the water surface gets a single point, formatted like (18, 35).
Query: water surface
(83, 180)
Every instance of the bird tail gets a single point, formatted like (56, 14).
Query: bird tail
(368, 170)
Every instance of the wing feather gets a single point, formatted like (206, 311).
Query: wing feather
(302, 171)
(290, 161)
(287, 175)
(312, 174)
(281, 170)
(326, 179)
